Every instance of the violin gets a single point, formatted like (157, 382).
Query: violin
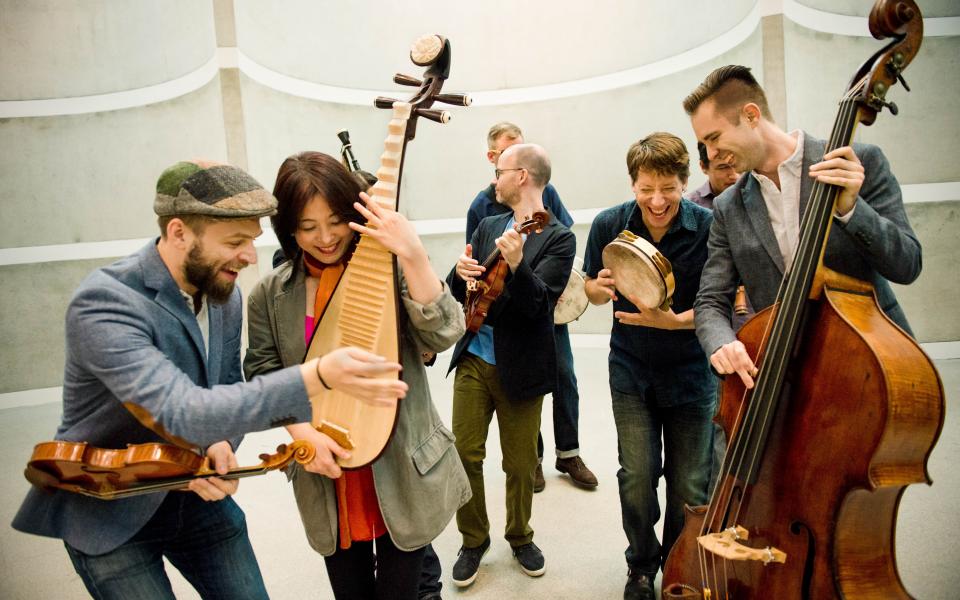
(483, 292)
(109, 474)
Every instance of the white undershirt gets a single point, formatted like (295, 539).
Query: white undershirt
(783, 203)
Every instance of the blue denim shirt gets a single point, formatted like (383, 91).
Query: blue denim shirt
(672, 363)
(486, 205)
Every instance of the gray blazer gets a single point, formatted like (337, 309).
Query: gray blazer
(876, 245)
(133, 346)
(419, 479)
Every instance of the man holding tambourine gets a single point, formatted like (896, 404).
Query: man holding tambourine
(646, 255)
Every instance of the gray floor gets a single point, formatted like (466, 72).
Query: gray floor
(579, 531)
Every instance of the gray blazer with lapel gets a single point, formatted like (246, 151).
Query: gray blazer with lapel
(420, 481)
(876, 245)
(133, 347)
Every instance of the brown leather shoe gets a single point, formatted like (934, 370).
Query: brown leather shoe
(578, 472)
(538, 481)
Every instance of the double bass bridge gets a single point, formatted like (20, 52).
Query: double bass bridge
(726, 544)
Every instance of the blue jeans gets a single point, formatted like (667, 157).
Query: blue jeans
(566, 401)
(206, 541)
(683, 434)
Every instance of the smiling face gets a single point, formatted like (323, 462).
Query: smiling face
(322, 234)
(732, 138)
(658, 197)
(217, 255)
(721, 174)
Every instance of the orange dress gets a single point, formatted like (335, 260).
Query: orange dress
(358, 509)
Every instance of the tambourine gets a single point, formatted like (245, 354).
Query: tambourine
(573, 301)
(642, 274)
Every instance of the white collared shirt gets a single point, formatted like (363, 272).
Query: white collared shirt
(203, 319)
(783, 203)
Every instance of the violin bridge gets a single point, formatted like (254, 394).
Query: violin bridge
(338, 434)
(726, 545)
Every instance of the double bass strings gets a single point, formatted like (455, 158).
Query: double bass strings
(791, 300)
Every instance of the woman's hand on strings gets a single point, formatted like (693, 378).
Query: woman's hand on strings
(388, 227)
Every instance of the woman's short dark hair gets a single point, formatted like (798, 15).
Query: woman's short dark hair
(300, 178)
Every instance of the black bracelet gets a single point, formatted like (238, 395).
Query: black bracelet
(320, 377)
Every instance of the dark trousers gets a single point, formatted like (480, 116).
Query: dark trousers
(358, 574)
(430, 573)
(566, 401)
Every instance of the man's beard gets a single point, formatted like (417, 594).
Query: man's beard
(203, 275)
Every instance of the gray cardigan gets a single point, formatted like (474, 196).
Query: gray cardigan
(419, 479)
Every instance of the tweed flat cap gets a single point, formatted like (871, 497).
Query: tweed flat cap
(213, 190)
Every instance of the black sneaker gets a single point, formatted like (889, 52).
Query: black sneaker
(468, 564)
(530, 559)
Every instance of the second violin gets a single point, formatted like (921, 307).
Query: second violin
(481, 293)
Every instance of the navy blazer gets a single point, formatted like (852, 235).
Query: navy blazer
(137, 372)
(877, 245)
(522, 317)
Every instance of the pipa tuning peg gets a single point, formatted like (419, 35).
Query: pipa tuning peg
(402, 79)
(454, 99)
(440, 116)
(383, 102)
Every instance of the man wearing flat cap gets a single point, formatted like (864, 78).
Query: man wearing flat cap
(153, 355)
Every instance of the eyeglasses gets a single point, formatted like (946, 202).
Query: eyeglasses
(499, 172)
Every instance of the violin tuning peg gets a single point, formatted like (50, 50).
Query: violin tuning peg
(454, 99)
(894, 110)
(402, 79)
(440, 116)
(383, 102)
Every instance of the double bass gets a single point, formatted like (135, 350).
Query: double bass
(843, 416)
(364, 309)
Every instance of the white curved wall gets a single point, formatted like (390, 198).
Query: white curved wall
(497, 44)
(69, 48)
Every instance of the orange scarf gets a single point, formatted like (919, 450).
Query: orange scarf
(358, 509)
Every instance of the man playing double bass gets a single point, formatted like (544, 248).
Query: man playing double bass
(153, 355)
(662, 390)
(511, 362)
(757, 220)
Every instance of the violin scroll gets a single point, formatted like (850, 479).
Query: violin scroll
(536, 223)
